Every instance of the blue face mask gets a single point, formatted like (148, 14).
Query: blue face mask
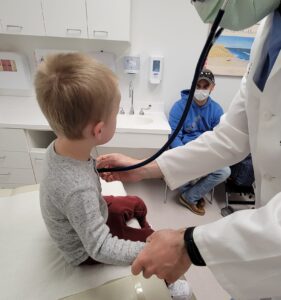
(239, 14)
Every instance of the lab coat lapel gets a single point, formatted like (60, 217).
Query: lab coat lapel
(276, 68)
(257, 52)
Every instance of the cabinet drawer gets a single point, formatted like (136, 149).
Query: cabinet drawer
(13, 140)
(15, 160)
(20, 176)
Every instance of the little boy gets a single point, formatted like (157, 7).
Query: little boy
(80, 99)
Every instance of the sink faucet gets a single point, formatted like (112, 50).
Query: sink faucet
(131, 95)
(143, 108)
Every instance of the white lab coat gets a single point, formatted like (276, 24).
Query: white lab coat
(242, 250)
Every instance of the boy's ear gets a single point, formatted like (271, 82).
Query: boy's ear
(97, 130)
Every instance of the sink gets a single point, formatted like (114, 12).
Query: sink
(133, 120)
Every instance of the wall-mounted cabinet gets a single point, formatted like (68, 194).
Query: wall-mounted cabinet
(109, 19)
(22, 17)
(94, 19)
(65, 18)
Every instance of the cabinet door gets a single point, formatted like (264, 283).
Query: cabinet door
(65, 18)
(109, 19)
(37, 157)
(22, 17)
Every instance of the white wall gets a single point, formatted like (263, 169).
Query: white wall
(166, 27)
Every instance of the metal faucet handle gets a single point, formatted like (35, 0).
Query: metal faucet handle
(132, 111)
(145, 108)
(122, 111)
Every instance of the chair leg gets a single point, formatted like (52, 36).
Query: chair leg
(227, 210)
(212, 196)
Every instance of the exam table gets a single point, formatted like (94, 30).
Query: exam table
(33, 269)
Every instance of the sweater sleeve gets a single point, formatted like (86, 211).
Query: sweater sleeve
(174, 118)
(83, 212)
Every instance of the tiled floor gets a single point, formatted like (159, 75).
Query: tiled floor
(173, 215)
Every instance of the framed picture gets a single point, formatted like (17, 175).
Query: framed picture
(231, 53)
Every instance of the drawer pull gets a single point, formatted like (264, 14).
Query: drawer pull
(2, 157)
(14, 28)
(5, 174)
(73, 32)
(100, 33)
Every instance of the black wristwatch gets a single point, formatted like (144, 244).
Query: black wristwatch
(192, 249)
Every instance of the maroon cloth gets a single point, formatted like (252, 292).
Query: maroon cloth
(122, 209)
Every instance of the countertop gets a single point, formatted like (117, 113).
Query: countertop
(24, 113)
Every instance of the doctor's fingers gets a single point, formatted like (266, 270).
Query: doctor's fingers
(143, 262)
(137, 266)
(172, 277)
(109, 176)
(150, 237)
(105, 160)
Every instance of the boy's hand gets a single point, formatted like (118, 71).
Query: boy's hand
(119, 160)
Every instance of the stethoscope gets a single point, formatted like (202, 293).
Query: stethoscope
(215, 32)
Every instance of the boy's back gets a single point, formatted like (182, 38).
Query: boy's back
(75, 212)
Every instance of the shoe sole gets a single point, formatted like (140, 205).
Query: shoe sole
(184, 203)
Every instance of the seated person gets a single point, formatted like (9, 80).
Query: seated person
(203, 116)
(80, 99)
(242, 173)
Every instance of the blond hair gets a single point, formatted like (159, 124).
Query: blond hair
(73, 90)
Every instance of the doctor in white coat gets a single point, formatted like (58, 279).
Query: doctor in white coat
(242, 250)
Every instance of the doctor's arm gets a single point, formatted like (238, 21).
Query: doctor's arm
(242, 250)
(226, 145)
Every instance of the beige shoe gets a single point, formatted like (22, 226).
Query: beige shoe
(201, 202)
(193, 207)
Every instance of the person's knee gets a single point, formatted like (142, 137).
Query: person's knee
(225, 173)
(222, 174)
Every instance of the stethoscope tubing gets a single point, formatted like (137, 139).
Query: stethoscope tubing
(215, 32)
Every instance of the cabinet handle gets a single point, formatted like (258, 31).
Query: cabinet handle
(38, 159)
(100, 33)
(14, 28)
(5, 174)
(73, 32)
(2, 157)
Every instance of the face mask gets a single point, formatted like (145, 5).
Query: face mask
(201, 95)
(239, 14)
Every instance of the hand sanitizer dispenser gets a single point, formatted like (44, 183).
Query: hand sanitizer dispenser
(155, 69)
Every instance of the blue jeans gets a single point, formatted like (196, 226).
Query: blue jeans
(194, 192)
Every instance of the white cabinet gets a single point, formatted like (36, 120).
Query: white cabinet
(13, 140)
(22, 17)
(94, 19)
(15, 163)
(65, 18)
(109, 19)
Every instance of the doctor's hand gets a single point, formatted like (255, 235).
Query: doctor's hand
(119, 160)
(163, 255)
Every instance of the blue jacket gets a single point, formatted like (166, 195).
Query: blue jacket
(198, 120)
